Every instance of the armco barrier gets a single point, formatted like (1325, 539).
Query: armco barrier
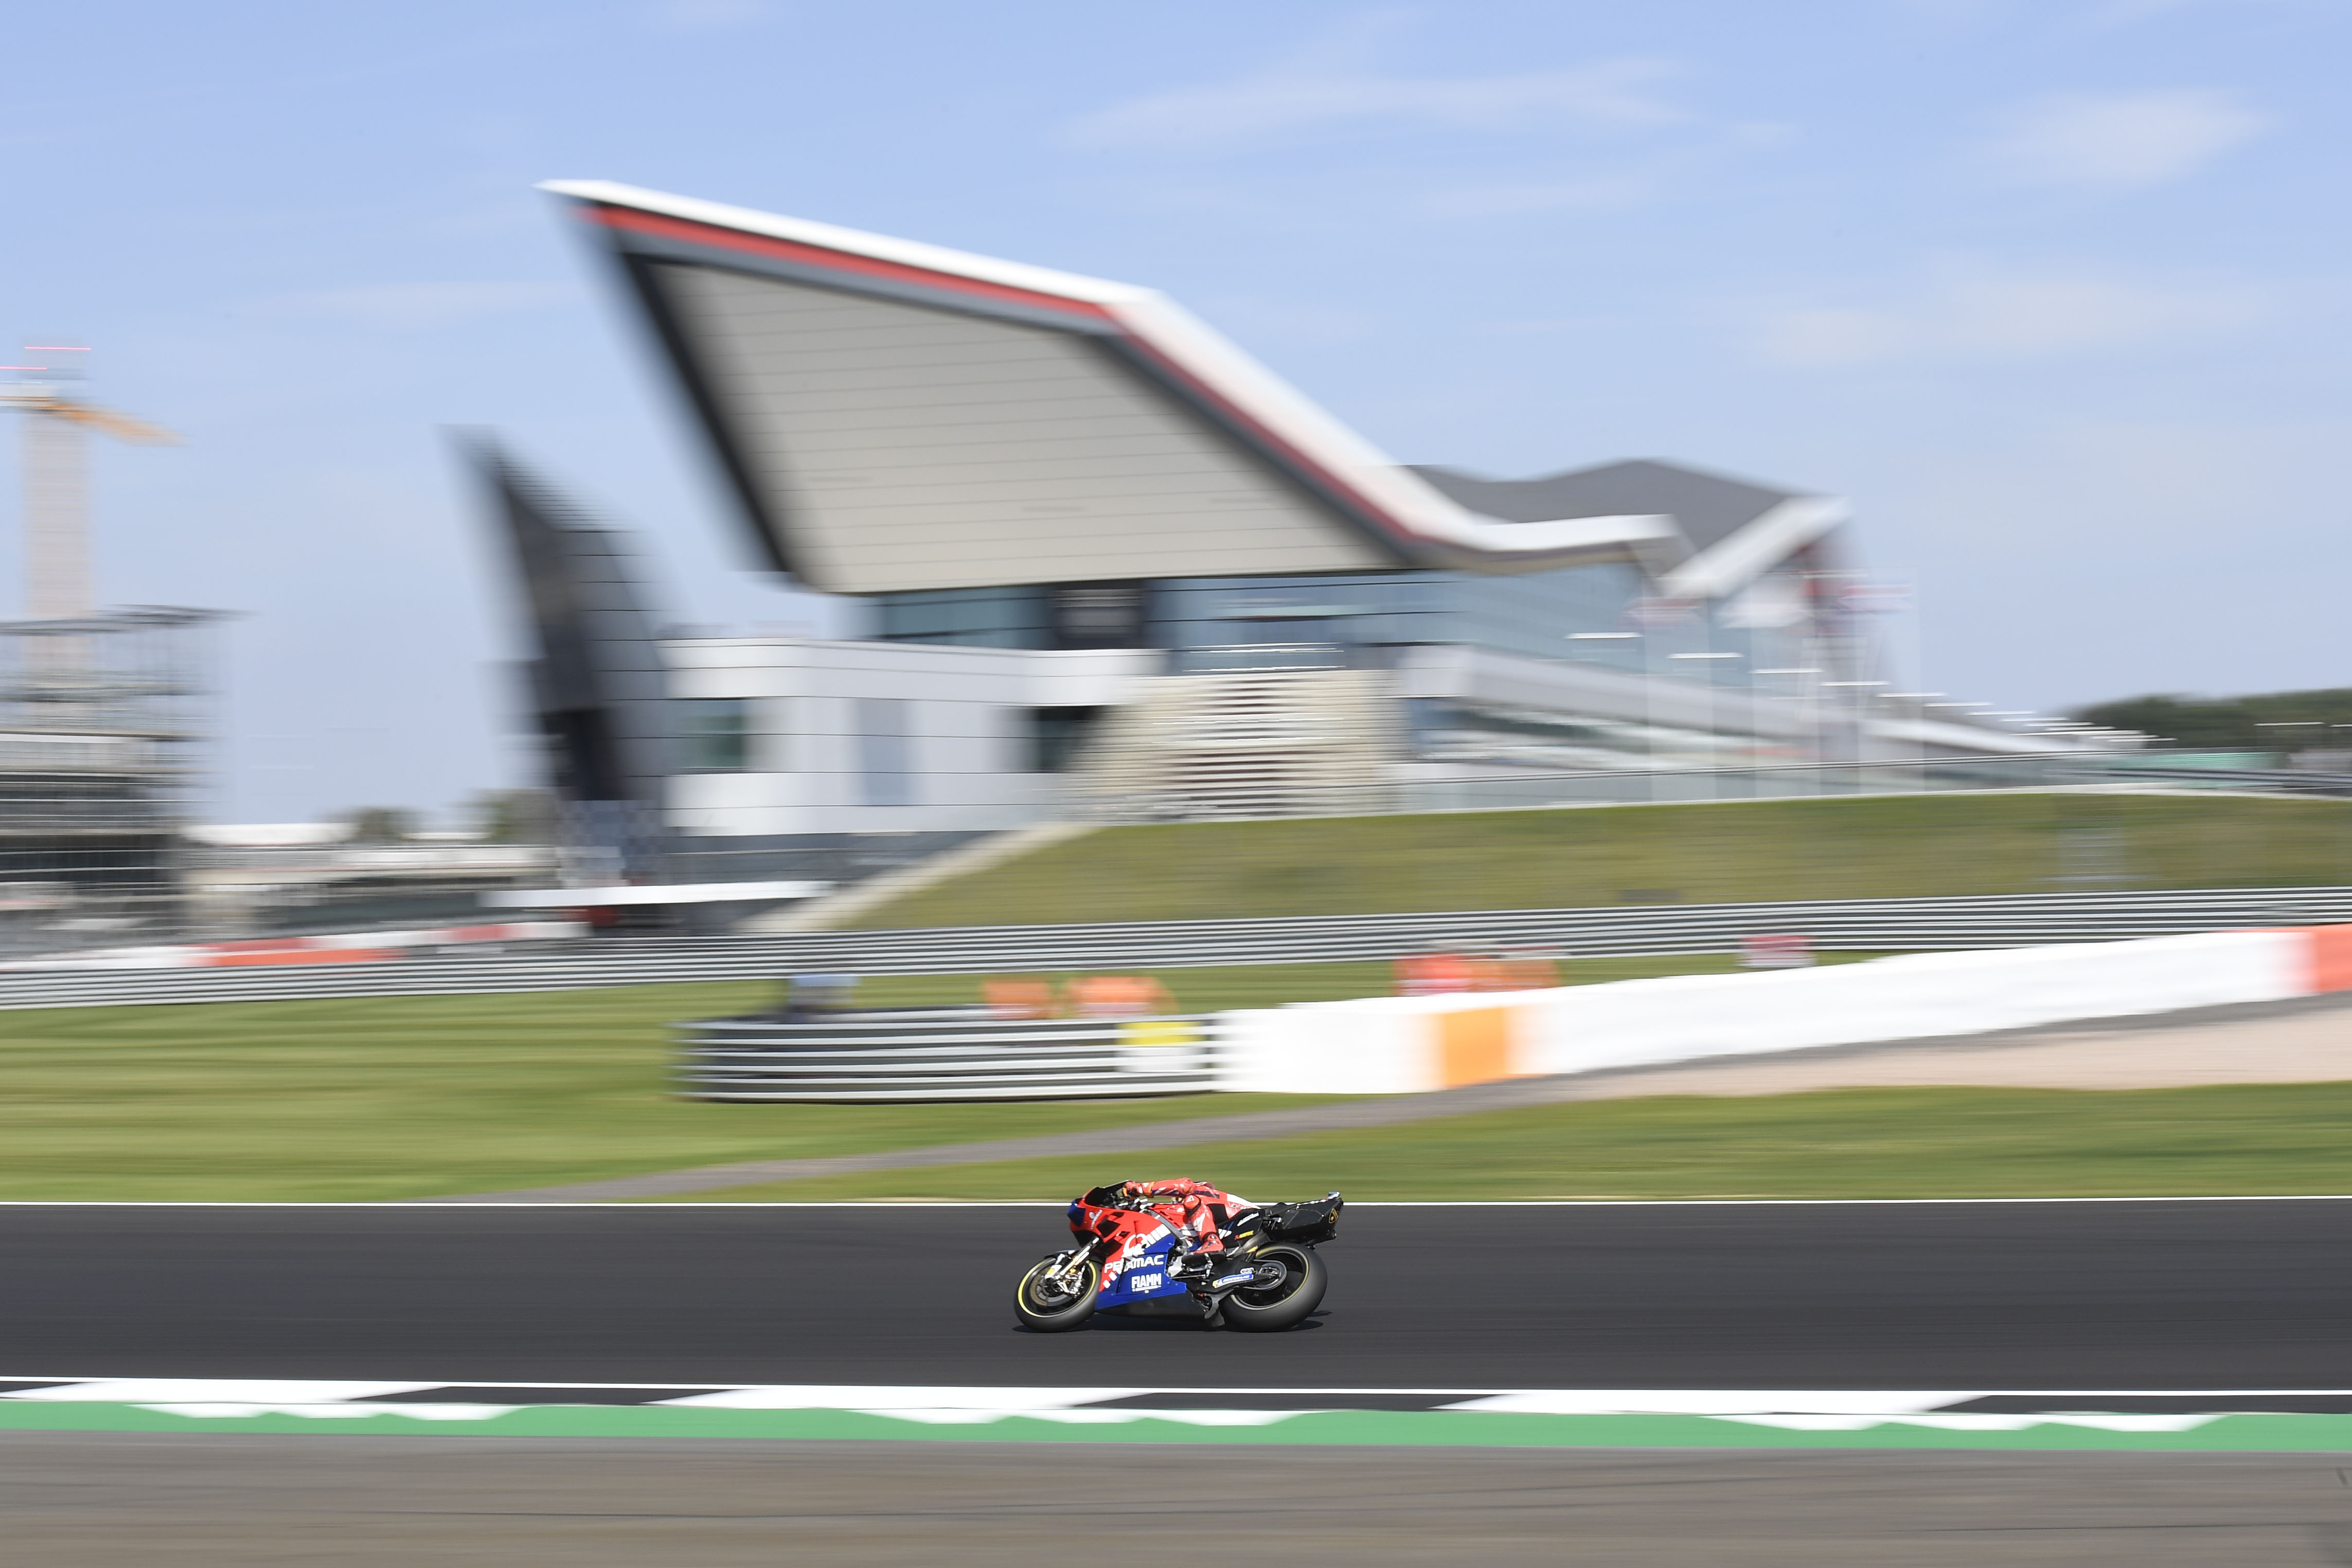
(1853, 926)
(944, 1056)
(1407, 1044)
(347, 947)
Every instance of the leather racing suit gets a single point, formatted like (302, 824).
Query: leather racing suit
(1195, 1212)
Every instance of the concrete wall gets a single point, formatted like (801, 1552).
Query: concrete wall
(1409, 1044)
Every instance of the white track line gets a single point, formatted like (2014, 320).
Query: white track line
(641, 1206)
(1019, 1398)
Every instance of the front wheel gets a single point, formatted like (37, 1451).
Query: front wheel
(1052, 1303)
(1264, 1308)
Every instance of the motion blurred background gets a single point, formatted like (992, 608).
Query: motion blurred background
(2042, 296)
(2049, 291)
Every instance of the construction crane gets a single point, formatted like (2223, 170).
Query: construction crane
(58, 584)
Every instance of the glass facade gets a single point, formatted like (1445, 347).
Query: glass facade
(968, 618)
(1367, 611)
(1534, 616)
(1611, 615)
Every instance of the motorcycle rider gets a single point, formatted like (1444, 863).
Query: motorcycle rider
(1197, 1213)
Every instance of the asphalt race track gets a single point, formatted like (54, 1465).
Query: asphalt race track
(2238, 1294)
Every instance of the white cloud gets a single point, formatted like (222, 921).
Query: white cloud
(1651, 176)
(1598, 194)
(1221, 116)
(1974, 314)
(410, 307)
(2121, 142)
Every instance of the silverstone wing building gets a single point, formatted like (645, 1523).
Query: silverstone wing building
(1105, 554)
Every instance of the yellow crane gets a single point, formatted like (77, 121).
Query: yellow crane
(57, 488)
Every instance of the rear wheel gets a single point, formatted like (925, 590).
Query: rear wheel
(1286, 1302)
(1052, 1297)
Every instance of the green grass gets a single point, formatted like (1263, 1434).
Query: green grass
(1843, 1144)
(406, 1097)
(1890, 847)
(412, 1096)
(1216, 987)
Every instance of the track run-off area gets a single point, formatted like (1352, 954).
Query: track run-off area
(2095, 1323)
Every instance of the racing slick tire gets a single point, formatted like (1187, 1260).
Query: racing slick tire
(1286, 1305)
(1048, 1307)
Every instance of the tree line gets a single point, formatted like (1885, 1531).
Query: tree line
(2268, 721)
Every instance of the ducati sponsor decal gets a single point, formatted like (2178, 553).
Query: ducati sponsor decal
(1146, 1281)
(1242, 1277)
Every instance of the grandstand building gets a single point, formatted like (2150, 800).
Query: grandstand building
(1109, 561)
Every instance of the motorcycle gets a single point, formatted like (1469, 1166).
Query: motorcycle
(1268, 1276)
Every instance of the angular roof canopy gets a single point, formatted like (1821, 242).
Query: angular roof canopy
(1732, 530)
(1707, 508)
(893, 415)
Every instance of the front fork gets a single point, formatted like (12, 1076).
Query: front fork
(1075, 1258)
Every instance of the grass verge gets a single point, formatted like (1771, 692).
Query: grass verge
(408, 1097)
(1733, 851)
(2235, 1140)
(413, 1096)
(1214, 988)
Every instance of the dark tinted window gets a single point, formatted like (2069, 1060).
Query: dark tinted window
(715, 734)
(1056, 735)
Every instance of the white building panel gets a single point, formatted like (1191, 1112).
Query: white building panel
(959, 715)
(915, 448)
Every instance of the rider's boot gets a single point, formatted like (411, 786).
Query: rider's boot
(1187, 1262)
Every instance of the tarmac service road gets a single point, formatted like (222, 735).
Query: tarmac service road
(101, 1500)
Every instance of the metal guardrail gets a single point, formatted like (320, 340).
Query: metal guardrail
(376, 859)
(2245, 781)
(1511, 789)
(1860, 925)
(944, 1055)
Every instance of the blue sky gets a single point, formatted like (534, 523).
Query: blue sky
(2055, 289)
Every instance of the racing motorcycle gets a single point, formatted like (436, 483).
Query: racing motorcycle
(1266, 1277)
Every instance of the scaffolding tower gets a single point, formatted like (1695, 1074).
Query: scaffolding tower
(103, 725)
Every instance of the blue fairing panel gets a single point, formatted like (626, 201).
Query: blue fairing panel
(1144, 1279)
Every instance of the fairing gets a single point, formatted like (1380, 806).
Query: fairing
(1137, 1266)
